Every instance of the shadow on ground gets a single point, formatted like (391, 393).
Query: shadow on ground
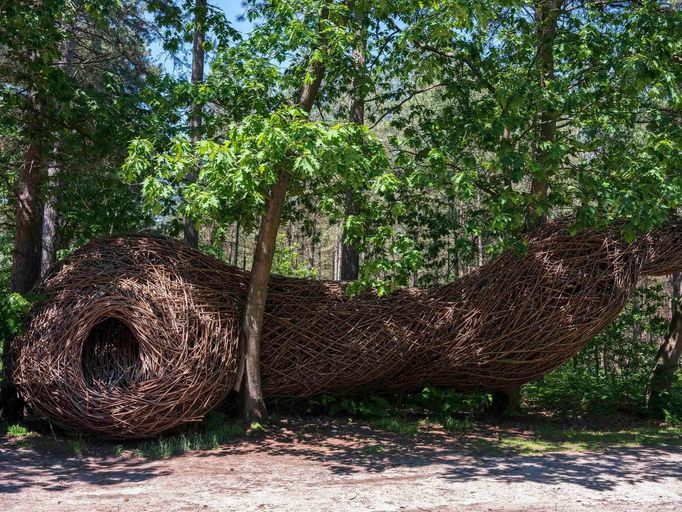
(344, 450)
(22, 468)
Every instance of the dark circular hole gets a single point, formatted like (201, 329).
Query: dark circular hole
(111, 355)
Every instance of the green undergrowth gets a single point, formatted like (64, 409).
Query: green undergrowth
(401, 425)
(13, 310)
(215, 430)
(588, 423)
(19, 434)
(395, 424)
(534, 435)
(543, 439)
(403, 413)
(18, 431)
(530, 435)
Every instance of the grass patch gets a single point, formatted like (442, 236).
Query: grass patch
(372, 449)
(214, 431)
(550, 439)
(395, 424)
(78, 445)
(457, 425)
(18, 431)
(530, 436)
(599, 439)
(20, 435)
(400, 425)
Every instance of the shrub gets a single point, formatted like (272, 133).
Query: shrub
(13, 310)
(611, 373)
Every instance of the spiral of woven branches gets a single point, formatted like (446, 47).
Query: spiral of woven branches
(509, 322)
(137, 334)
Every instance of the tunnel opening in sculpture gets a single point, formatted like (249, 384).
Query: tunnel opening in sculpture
(111, 356)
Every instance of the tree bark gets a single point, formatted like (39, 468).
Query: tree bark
(50, 212)
(26, 260)
(668, 356)
(254, 308)
(546, 20)
(310, 249)
(508, 401)
(195, 121)
(252, 324)
(50, 216)
(350, 256)
(479, 237)
(235, 255)
(26, 257)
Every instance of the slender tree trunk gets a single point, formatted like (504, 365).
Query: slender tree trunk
(26, 257)
(290, 235)
(26, 260)
(668, 356)
(254, 308)
(195, 120)
(50, 235)
(50, 212)
(350, 256)
(546, 20)
(508, 401)
(252, 324)
(337, 257)
(50, 215)
(479, 237)
(310, 249)
(235, 255)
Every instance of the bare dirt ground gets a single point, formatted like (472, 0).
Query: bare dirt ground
(338, 467)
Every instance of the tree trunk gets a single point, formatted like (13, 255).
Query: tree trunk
(26, 259)
(336, 267)
(254, 308)
(252, 324)
(49, 228)
(479, 237)
(546, 20)
(235, 255)
(547, 12)
(507, 402)
(50, 213)
(195, 120)
(350, 256)
(668, 356)
(310, 249)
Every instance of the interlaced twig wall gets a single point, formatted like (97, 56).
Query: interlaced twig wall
(140, 334)
(136, 335)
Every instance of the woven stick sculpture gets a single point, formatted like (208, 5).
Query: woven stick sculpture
(137, 335)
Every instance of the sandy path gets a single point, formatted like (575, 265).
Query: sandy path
(337, 470)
